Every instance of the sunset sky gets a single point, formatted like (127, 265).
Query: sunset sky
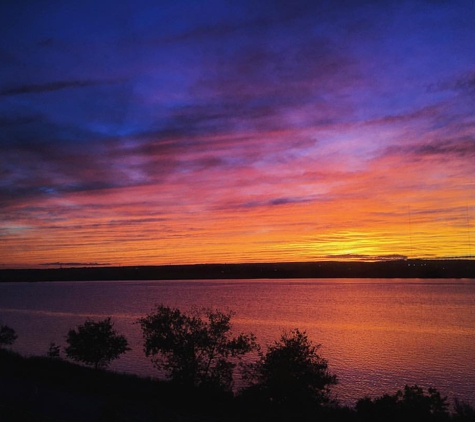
(169, 132)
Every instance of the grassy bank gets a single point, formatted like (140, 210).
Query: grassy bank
(45, 389)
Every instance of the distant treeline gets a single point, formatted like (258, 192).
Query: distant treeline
(325, 269)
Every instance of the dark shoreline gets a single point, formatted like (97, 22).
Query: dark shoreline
(324, 269)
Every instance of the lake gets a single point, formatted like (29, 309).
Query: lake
(377, 334)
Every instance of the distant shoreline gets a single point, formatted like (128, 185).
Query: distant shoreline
(323, 269)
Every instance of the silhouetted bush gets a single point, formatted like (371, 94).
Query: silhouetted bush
(464, 412)
(95, 343)
(412, 404)
(291, 375)
(53, 351)
(197, 349)
(7, 336)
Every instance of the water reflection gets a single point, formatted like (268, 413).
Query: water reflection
(376, 334)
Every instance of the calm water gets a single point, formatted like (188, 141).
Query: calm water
(377, 335)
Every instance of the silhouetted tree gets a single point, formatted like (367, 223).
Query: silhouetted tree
(197, 348)
(7, 336)
(291, 374)
(464, 412)
(53, 350)
(95, 343)
(411, 404)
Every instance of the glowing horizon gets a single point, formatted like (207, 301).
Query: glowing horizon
(185, 133)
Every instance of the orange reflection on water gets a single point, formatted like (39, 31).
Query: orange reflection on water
(377, 335)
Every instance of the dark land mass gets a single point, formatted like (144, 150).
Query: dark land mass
(41, 389)
(325, 269)
(46, 389)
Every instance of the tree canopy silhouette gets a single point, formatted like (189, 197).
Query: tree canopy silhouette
(411, 404)
(291, 373)
(95, 343)
(7, 335)
(196, 348)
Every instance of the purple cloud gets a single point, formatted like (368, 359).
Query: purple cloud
(48, 87)
(463, 148)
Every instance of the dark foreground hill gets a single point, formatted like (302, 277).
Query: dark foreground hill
(326, 269)
(44, 389)
(48, 389)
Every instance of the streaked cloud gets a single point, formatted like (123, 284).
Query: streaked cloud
(74, 264)
(176, 133)
(47, 87)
